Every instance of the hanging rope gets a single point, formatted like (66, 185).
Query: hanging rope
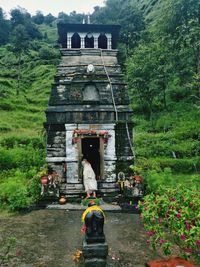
(111, 88)
(113, 99)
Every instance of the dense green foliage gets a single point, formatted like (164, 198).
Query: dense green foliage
(160, 52)
(27, 67)
(173, 215)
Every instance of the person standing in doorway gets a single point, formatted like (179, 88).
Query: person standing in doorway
(89, 179)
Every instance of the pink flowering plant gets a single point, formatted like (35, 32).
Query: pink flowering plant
(172, 216)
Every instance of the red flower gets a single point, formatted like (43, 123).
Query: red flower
(162, 241)
(151, 233)
(198, 242)
(189, 250)
(83, 229)
(178, 215)
(187, 225)
(182, 237)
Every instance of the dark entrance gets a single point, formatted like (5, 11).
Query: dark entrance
(90, 151)
(76, 40)
(102, 41)
(89, 41)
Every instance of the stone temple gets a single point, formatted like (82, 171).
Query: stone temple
(88, 113)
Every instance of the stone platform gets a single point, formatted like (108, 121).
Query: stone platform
(95, 254)
(74, 206)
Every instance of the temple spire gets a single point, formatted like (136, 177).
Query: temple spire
(83, 18)
(88, 18)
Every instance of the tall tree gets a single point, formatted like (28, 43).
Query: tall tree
(148, 75)
(38, 18)
(23, 31)
(48, 19)
(19, 16)
(20, 45)
(124, 13)
(4, 28)
(179, 23)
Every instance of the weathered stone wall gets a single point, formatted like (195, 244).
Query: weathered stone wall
(56, 144)
(123, 147)
(71, 107)
(72, 153)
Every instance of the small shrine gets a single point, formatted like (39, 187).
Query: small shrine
(88, 113)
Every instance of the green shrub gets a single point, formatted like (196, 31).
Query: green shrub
(21, 157)
(12, 141)
(19, 189)
(34, 188)
(13, 192)
(5, 127)
(6, 106)
(184, 165)
(144, 164)
(154, 179)
(175, 211)
(180, 165)
(47, 53)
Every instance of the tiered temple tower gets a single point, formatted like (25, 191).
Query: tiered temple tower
(88, 113)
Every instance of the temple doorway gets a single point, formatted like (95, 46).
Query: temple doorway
(91, 151)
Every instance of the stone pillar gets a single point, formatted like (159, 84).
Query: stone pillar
(82, 36)
(71, 155)
(82, 42)
(96, 40)
(109, 41)
(69, 40)
(95, 254)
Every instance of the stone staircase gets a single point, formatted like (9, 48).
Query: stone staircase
(76, 191)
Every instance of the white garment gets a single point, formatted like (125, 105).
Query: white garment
(89, 180)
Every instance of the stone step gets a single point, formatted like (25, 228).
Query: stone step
(76, 190)
(79, 186)
(74, 186)
(79, 191)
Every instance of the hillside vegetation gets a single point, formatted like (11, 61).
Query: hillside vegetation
(159, 46)
(160, 54)
(24, 94)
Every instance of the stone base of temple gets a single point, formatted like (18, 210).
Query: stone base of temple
(95, 255)
(76, 191)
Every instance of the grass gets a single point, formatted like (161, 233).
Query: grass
(21, 121)
(25, 112)
(169, 133)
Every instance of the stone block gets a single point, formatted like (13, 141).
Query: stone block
(95, 263)
(95, 250)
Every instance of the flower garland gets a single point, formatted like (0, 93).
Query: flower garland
(77, 133)
(90, 209)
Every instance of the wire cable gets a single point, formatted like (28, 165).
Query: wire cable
(111, 88)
